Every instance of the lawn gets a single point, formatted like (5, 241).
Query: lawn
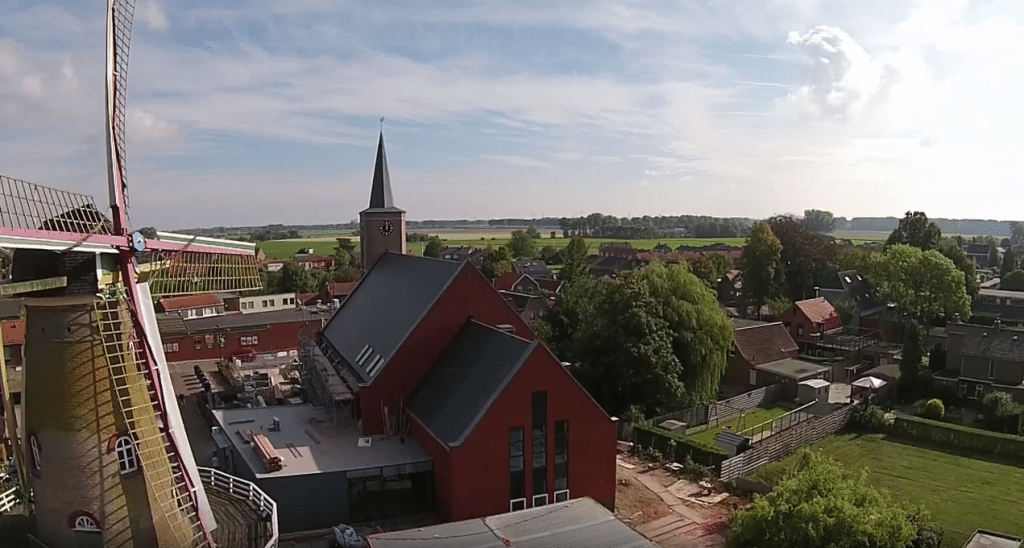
(753, 417)
(285, 249)
(962, 494)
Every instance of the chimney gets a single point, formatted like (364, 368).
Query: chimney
(998, 324)
(817, 292)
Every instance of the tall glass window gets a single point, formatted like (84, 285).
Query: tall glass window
(540, 454)
(561, 455)
(516, 466)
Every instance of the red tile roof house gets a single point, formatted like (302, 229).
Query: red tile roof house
(192, 306)
(504, 423)
(764, 354)
(810, 321)
(314, 262)
(336, 290)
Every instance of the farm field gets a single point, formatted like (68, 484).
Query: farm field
(285, 249)
(961, 494)
(751, 418)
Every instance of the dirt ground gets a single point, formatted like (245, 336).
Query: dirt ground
(635, 504)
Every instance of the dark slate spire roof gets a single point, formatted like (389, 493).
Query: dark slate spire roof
(380, 195)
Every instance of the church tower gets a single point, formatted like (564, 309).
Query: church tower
(382, 225)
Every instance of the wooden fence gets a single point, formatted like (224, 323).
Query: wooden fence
(779, 446)
(724, 409)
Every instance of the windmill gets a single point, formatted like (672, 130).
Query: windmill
(103, 452)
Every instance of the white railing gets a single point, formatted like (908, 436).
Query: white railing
(242, 489)
(8, 500)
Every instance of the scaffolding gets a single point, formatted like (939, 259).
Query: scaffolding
(325, 386)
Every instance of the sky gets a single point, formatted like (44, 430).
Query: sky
(249, 113)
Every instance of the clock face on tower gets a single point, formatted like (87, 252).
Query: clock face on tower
(386, 228)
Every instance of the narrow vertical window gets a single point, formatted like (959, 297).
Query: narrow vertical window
(540, 454)
(561, 455)
(516, 465)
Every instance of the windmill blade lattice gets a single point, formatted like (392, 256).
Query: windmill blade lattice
(172, 273)
(30, 208)
(119, 41)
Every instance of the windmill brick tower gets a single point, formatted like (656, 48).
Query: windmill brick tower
(103, 451)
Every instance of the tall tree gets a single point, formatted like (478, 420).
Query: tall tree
(496, 262)
(297, 278)
(344, 253)
(912, 360)
(701, 333)
(915, 230)
(924, 285)
(522, 246)
(966, 265)
(819, 221)
(807, 260)
(993, 256)
(533, 233)
(433, 247)
(577, 265)
(1009, 263)
(819, 503)
(1014, 281)
(709, 268)
(148, 231)
(761, 266)
(1016, 234)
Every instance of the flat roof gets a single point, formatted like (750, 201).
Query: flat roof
(988, 539)
(792, 368)
(579, 522)
(310, 443)
(1001, 293)
(236, 320)
(816, 383)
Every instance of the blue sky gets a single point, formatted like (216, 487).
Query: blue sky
(243, 114)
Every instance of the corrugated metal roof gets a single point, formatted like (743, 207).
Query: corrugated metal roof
(571, 524)
(466, 379)
(171, 325)
(384, 308)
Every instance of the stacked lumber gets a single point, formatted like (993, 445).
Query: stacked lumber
(266, 451)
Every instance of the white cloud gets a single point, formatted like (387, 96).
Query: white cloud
(152, 14)
(519, 161)
(144, 126)
(645, 182)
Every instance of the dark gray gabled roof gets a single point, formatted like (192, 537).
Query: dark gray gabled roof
(467, 377)
(380, 193)
(383, 309)
(860, 290)
(995, 344)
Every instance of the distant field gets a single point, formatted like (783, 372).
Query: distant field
(960, 493)
(324, 245)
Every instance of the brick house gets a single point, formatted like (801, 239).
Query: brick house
(220, 337)
(982, 359)
(535, 269)
(999, 303)
(980, 254)
(192, 306)
(314, 262)
(516, 282)
(810, 321)
(763, 354)
(729, 287)
(336, 290)
(531, 308)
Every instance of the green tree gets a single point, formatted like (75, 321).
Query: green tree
(533, 233)
(1014, 281)
(915, 230)
(937, 358)
(577, 261)
(853, 258)
(819, 503)
(911, 362)
(1009, 263)
(297, 278)
(434, 247)
(709, 268)
(344, 253)
(271, 282)
(1016, 234)
(149, 232)
(807, 260)
(964, 263)
(522, 246)
(348, 274)
(496, 262)
(1000, 411)
(819, 221)
(933, 409)
(762, 267)
(993, 257)
(846, 309)
(923, 285)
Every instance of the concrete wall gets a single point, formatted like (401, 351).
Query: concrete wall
(480, 467)
(469, 295)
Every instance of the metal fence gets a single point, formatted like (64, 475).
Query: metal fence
(722, 410)
(242, 489)
(781, 423)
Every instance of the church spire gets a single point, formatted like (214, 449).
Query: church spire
(380, 194)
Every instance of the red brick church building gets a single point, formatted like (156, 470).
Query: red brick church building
(506, 425)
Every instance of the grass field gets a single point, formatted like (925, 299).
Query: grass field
(962, 494)
(285, 249)
(753, 417)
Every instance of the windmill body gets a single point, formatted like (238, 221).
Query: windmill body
(103, 453)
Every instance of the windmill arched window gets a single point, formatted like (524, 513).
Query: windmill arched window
(83, 522)
(127, 455)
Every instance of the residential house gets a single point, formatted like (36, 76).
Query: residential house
(729, 287)
(531, 308)
(809, 322)
(259, 303)
(465, 253)
(274, 265)
(339, 291)
(982, 359)
(314, 262)
(853, 286)
(535, 269)
(980, 254)
(517, 282)
(609, 265)
(999, 303)
(763, 354)
(192, 306)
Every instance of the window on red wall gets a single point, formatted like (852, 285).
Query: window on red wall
(799, 329)
(516, 465)
(539, 439)
(561, 455)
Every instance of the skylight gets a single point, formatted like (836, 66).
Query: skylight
(363, 355)
(375, 365)
(847, 278)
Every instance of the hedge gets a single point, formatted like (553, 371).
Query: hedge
(964, 437)
(700, 453)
